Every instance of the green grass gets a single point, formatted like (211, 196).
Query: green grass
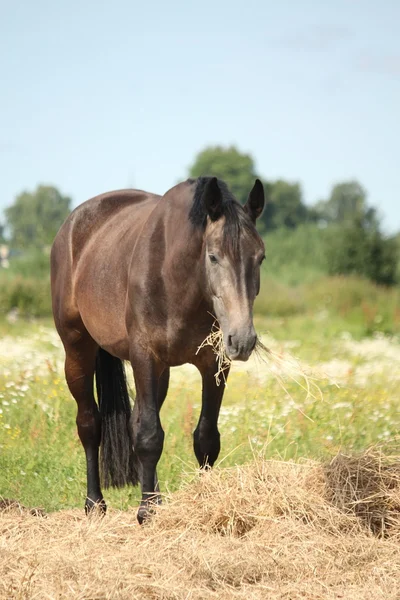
(29, 295)
(331, 304)
(296, 256)
(42, 461)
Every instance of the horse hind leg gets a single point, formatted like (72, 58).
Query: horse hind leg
(79, 371)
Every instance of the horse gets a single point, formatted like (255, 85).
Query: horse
(142, 278)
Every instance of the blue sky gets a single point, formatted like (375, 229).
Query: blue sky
(96, 96)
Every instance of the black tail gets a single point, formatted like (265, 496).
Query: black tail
(118, 463)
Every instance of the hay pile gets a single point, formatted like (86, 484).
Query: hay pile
(263, 531)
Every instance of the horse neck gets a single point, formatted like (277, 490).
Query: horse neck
(183, 267)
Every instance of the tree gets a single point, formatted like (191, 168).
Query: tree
(355, 242)
(230, 165)
(357, 247)
(34, 218)
(346, 203)
(286, 207)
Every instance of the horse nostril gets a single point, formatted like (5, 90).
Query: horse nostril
(229, 340)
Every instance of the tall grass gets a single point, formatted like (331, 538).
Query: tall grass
(42, 461)
(29, 295)
(25, 285)
(294, 282)
(354, 303)
(296, 256)
(33, 264)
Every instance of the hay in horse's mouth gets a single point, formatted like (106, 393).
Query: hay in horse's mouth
(278, 365)
(215, 339)
(286, 366)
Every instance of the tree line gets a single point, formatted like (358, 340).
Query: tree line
(356, 245)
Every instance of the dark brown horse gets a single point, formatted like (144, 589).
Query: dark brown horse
(138, 277)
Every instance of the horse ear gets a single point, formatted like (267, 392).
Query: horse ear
(212, 198)
(255, 202)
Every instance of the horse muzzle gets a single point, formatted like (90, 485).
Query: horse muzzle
(239, 345)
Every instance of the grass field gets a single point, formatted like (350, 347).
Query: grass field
(42, 462)
(285, 515)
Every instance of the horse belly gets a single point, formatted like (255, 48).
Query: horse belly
(100, 292)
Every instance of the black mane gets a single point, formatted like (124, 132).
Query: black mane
(236, 219)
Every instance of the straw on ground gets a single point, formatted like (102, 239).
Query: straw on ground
(271, 530)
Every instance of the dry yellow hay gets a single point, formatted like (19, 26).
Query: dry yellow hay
(281, 366)
(268, 530)
(215, 339)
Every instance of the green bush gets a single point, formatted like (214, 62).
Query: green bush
(297, 255)
(31, 296)
(355, 300)
(304, 254)
(294, 282)
(355, 249)
(354, 303)
(35, 263)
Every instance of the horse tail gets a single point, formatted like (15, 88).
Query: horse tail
(118, 462)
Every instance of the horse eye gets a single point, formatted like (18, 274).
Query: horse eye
(213, 259)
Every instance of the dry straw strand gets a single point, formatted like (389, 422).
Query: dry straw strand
(215, 339)
(275, 363)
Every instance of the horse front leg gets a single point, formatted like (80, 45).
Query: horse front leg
(163, 384)
(206, 437)
(148, 435)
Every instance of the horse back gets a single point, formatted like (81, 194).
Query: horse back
(103, 210)
(97, 236)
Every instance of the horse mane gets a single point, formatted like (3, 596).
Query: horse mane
(237, 220)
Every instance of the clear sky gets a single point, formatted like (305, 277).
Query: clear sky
(101, 95)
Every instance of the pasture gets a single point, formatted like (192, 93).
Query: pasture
(275, 526)
(42, 462)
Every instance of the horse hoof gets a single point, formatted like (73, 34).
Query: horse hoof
(145, 513)
(99, 507)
